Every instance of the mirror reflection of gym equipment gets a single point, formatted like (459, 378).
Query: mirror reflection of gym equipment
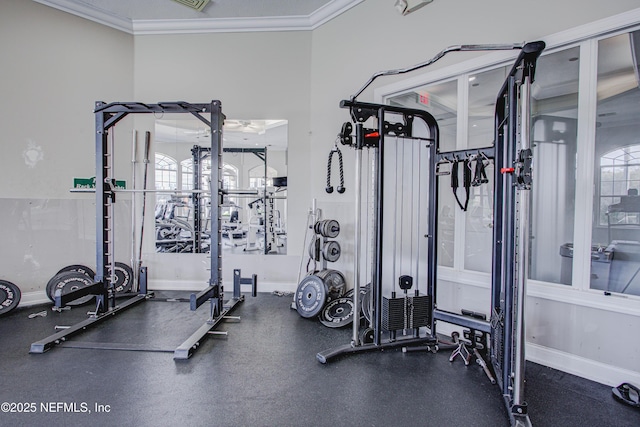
(254, 205)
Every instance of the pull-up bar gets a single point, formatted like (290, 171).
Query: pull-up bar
(456, 48)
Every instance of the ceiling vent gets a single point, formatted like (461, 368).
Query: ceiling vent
(194, 4)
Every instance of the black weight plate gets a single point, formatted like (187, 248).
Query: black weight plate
(79, 268)
(124, 277)
(329, 228)
(367, 336)
(334, 282)
(366, 302)
(349, 293)
(337, 313)
(311, 296)
(9, 296)
(67, 282)
(331, 251)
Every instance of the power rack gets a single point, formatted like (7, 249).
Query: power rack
(107, 115)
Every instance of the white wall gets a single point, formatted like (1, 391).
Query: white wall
(256, 76)
(54, 67)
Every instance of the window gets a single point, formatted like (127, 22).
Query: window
(478, 229)
(186, 174)
(619, 178)
(615, 238)
(554, 107)
(256, 176)
(229, 177)
(441, 100)
(166, 172)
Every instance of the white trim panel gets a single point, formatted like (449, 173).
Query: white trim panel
(580, 366)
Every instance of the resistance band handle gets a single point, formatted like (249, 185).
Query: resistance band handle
(340, 189)
(329, 188)
(466, 177)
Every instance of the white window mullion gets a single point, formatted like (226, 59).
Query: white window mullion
(461, 144)
(587, 104)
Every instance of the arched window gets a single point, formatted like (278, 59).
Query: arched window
(166, 172)
(186, 174)
(619, 177)
(256, 176)
(229, 177)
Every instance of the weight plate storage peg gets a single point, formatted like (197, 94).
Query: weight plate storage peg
(124, 277)
(337, 313)
(79, 268)
(311, 296)
(69, 281)
(9, 296)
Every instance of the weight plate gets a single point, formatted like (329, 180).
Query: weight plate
(366, 302)
(331, 251)
(367, 336)
(349, 293)
(334, 282)
(79, 268)
(311, 296)
(337, 313)
(9, 296)
(315, 241)
(69, 281)
(329, 228)
(124, 277)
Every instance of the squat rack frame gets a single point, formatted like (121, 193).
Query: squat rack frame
(107, 115)
(512, 157)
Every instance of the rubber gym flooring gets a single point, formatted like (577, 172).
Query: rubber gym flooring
(264, 373)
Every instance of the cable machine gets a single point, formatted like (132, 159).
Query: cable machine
(512, 157)
(106, 117)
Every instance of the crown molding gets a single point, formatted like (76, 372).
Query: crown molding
(91, 13)
(192, 26)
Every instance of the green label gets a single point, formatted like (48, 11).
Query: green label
(91, 183)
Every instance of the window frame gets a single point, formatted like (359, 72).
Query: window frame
(586, 37)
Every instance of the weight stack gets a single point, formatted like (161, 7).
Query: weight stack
(406, 312)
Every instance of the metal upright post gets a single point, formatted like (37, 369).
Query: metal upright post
(197, 210)
(358, 235)
(103, 223)
(379, 209)
(522, 247)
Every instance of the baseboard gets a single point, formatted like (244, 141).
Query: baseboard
(580, 366)
(33, 298)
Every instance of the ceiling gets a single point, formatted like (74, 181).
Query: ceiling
(183, 129)
(171, 17)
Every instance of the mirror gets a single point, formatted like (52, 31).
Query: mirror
(254, 178)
